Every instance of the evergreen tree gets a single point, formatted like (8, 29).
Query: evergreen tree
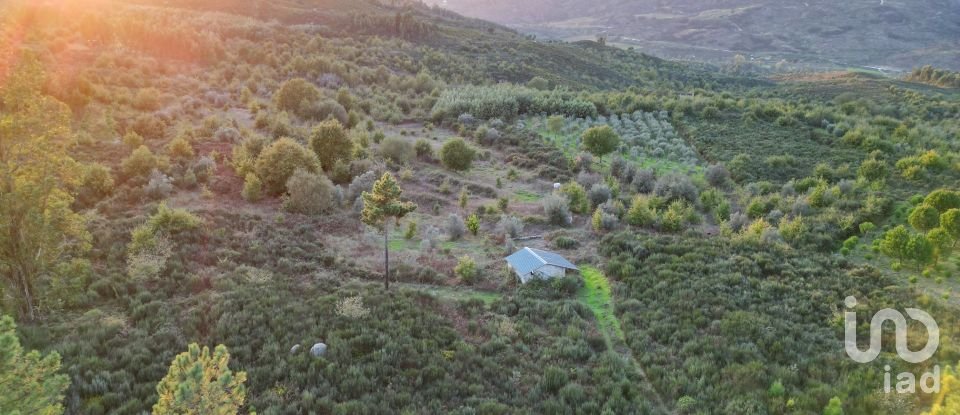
(894, 243)
(28, 382)
(925, 218)
(199, 383)
(948, 401)
(380, 205)
(473, 224)
(920, 251)
(464, 198)
(835, 407)
(39, 227)
(950, 222)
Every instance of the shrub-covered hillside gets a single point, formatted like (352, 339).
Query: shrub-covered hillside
(310, 202)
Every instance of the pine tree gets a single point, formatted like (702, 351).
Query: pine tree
(835, 407)
(894, 243)
(924, 218)
(464, 198)
(473, 224)
(28, 382)
(380, 206)
(948, 401)
(950, 222)
(36, 172)
(199, 383)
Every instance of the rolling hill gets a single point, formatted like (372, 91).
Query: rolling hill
(881, 33)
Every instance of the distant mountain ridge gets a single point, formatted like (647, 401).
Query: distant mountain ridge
(894, 33)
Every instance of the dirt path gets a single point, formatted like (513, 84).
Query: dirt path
(451, 292)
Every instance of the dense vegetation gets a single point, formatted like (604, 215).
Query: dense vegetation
(934, 76)
(195, 196)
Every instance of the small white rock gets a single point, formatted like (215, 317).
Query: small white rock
(318, 350)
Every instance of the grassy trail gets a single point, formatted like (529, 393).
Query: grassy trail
(598, 296)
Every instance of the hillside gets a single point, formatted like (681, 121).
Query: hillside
(323, 192)
(896, 34)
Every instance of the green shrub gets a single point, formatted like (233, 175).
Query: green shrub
(674, 187)
(466, 269)
(677, 216)
(563, 242)
(555, 123)
(95, 184)
(424, 149)
(397, 150)
(180, 149)
(557, 210)
(139, 164)
(603, 221)
(149, 127)
(455, 227)
(294, 94)
(252, 188)
(640, 213)
(776, 389)
(132, 139)
(277, 163)
(309, 193)
(147, 99)
(473, 224)
(577, 197)
(330, 143)
(411, 231)
(245, 154)
(457, 155)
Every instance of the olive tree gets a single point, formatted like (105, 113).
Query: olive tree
(600, 141)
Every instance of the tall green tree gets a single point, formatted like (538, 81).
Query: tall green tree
(948, 401)
(942, 242)
(38, 229)
(600, 141)
(29, 383)
(920, 251)
(950, 222)
(943, 200)
(894, 243)
(924, 218)
(381, 205)
(199, 383)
